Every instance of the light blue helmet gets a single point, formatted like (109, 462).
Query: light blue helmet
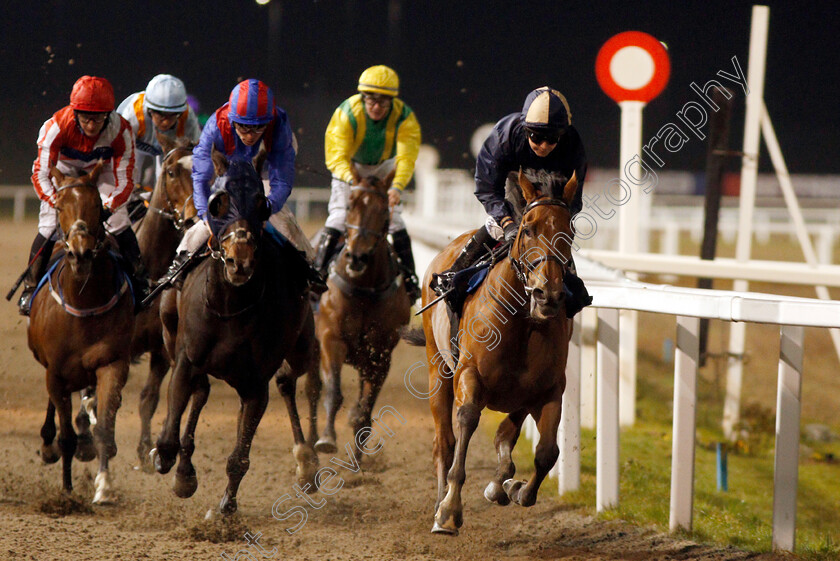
(166, 93)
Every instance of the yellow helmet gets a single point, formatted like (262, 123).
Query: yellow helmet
(381, 80)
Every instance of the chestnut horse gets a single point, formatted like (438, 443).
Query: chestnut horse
(79, 327)
(512, 346)
(238, 316)
(171, 212)
(359, 316)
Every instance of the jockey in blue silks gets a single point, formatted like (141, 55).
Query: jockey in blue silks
(239, 129)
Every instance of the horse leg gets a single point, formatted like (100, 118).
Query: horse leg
(548, 419)
(85, 419)
(250, 412)
(149, 397)
(313, 386)
(370, 381)
(443, 448)
(50, 451)
(110, 380)
(186, 481)
(449, 515)
(305, 455)
(506, 436)
(333, 354)
(66, 435)
(180, 389)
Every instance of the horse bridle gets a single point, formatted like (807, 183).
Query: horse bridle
(171, 213)
(378, 236)
(77, 227)
(523, 268)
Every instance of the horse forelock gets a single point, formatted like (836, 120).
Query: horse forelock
(245, 190)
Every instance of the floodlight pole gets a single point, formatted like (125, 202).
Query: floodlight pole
(749, 173)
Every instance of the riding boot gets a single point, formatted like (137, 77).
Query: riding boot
(39, 257)
(326, 249)
(402, 246)
(137, 275)
(476, 247)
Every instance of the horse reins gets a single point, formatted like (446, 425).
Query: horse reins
(522, 268)
(172, 213)
(78, 228)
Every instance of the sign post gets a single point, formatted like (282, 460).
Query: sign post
(632, 68)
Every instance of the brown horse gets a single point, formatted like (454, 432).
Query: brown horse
(366, 304)
(512, 347)
(79, 326)
(238, 316)
(171, 212)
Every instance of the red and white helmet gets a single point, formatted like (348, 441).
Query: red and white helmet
(92, 94)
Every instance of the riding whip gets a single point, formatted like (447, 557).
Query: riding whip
(22, 276)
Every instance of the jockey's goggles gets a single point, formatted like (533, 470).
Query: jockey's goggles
(249, 129)
(85, 117)
(538, 137)
(377, 99)
(164, 114)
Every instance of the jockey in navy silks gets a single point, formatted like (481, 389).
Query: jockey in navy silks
(543, 143)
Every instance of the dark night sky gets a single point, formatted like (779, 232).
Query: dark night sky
(461, 64)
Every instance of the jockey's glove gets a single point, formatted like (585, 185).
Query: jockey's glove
(510, 230)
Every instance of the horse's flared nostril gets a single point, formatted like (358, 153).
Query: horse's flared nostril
(539, 295)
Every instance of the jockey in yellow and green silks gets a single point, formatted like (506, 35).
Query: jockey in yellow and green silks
(372, 132)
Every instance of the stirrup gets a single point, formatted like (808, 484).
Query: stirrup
(25, 301)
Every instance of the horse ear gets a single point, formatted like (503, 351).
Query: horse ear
(528, 189)
(97, 169)
(263, 211)
(220, 163)
(219, 204)
(56, 175)
(166, 144)
(357, 179)
(259, 159)
(570, 189)
(390, 179)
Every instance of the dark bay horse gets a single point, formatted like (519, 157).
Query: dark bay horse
(171, 212)
(366, 304)
(79, 328)
(241, 316)
(513, 344)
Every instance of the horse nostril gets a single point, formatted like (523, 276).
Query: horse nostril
(539, 295)
(87, 255)
(71, 255)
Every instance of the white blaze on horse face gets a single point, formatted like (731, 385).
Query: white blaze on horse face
(186, 162)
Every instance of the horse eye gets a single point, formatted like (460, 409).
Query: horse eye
(170, 173)
(526, 231)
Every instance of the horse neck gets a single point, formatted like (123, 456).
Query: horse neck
(88, 291)
(504, 292)
(157, 236)
(379, 271)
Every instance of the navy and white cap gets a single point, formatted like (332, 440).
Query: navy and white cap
(546, 109)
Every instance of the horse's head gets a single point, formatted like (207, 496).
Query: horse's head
(175, 181)
(542, 249)
(237, 210)
(367, 221)
(80, 216)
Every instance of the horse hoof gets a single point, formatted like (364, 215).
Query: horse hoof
(496, 494)
(325, 446)
(185, 485)
(228, 506)
(50, 454)
(448, 531)
(104, 495)
(85, 449)
(89, 405)
(513, 488)
(162, 465)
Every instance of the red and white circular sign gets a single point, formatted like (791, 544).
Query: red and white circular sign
(632, 66)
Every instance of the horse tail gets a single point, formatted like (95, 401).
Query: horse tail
(413, 336)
